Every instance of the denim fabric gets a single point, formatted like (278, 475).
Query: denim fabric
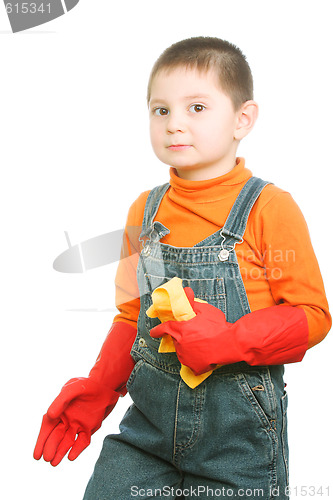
(227, 438)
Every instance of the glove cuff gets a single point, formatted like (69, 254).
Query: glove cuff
(272, 336)
(115, 363)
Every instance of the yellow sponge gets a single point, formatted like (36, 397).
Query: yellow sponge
(170, 303)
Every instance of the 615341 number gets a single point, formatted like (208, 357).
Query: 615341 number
(28, 8)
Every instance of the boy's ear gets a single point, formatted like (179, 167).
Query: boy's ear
(247, 116)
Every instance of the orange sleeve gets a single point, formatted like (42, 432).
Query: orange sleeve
(280, 238)
(291, 266)
(127, 290)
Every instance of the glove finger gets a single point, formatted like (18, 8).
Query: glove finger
(81, 443)
(47, 427)
(171, 328)
(65, 445)
(53, 441)
(158, 331)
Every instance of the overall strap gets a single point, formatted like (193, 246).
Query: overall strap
(153, 202)
(235, 224)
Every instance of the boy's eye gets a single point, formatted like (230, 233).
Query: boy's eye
(160, 111)
(197, 108)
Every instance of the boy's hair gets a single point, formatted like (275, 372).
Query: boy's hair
(205, 53)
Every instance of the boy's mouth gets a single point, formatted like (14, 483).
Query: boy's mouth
(178, 147)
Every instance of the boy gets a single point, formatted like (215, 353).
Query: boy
(241, 245)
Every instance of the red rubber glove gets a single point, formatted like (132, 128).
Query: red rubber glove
(84, 403)
(271, 336)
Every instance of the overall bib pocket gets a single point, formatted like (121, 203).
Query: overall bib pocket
(211, 290)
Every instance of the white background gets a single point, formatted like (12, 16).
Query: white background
(75, 153)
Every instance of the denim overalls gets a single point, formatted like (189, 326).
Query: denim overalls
(226, 438)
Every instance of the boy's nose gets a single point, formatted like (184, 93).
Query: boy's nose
(175, 123)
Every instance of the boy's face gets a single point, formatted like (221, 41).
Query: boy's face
(192, 123)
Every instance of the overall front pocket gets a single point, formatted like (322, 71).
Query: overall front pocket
(284, 434)
(258, 391)
(134, 372)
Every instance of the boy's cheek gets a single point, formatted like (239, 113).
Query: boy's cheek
(156, 136)
(155, 143)
(158, 148)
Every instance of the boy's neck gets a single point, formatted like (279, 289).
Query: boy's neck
(206, 173)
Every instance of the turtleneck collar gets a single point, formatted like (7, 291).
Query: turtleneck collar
(209, 189)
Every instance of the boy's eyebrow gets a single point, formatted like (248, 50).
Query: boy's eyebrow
(197, 96)
(188, 97)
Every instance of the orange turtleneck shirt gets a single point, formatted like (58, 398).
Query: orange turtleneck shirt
(276, 258)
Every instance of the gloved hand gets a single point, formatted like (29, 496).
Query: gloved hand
(271, 336)
(72, 418)
(84, 403)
